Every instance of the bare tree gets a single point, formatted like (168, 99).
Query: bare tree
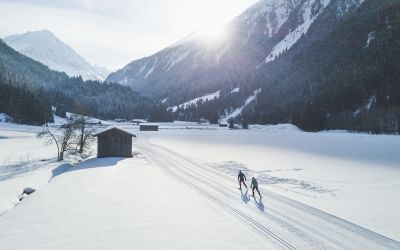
(85, 133)
(84, 130)
(63, 138)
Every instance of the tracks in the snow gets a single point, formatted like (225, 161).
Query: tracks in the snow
(284, 230)
(242, 216)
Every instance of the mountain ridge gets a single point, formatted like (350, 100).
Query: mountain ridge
(47, 48)
(317, 63)
(258, 29)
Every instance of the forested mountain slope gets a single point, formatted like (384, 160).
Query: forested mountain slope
(104, 101)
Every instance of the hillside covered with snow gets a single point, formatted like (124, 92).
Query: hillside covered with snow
(281, 46)
(45, 47)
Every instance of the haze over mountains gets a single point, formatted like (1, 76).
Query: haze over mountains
(259, 35)
(45, 47)
(319, 64)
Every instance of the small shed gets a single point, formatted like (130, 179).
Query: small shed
(223, 124)
(114, 142)
(149, 127)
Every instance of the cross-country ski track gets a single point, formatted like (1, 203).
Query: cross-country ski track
(278, 220)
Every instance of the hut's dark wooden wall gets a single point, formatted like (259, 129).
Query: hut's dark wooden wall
(148, 127)
(114, 143)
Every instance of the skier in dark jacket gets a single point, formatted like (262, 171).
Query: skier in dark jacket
(254, 185)
(242, 179)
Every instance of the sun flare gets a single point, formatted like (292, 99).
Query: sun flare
(213, 33)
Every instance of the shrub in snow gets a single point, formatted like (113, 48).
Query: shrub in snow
(28, 191)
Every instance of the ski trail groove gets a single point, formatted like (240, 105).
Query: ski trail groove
(247, 219)
(382, 242)
(229, 193)
(340, 233)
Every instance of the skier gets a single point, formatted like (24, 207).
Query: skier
(241, 179)
(254, 185)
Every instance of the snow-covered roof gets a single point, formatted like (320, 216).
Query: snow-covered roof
(150, 124)
(114, 127)
(138, 120)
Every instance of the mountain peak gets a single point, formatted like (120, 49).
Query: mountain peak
(36, 34)
(43, 31)
(44, 46)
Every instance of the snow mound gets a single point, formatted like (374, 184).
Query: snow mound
(289, 127)
(277, 128)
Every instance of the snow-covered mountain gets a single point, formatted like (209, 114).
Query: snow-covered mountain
(196, 66)
(45, 47)
(278, 46)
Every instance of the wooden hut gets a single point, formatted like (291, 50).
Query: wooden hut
(148, 127)
(114, 142)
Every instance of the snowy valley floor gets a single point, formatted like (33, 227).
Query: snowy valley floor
(329, 190)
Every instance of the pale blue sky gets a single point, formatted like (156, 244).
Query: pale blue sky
(114, 32)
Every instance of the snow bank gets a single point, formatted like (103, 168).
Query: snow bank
(25, 161)
(14, 178)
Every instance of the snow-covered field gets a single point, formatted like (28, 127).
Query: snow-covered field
(353, 176)
(25, 161)
(323, 190)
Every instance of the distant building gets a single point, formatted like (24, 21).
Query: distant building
(138, 121)
(149, 127)
(114, 142)
(120, 120)
(223, 124)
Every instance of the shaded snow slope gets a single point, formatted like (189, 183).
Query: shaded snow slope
(195, 62)
(194, 101)
(308, 17)
(239, 110)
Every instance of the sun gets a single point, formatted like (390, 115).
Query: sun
(213, 33)
(212, 19)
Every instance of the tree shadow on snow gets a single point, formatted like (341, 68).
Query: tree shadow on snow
(61, 169)
(88, 164)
